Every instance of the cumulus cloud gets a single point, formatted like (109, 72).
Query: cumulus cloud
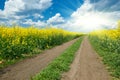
(36, 15)
(13, 7)
(87, 19)
(57, 19)
(91, 15)
(38, 4)
(31, 22)
(54, 21)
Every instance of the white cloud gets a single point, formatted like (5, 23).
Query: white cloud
(2, 23)
(37, 4)
(56, 19)
(13, 7)
(53, 21)
(87, 19)
(83, 9)
(38, 23)
(36, 16)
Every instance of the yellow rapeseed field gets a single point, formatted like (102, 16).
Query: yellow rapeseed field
(17, 42)
(107, 44)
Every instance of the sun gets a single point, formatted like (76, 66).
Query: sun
(91, 21)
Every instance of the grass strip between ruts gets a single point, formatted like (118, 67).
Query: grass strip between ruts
(59, 65)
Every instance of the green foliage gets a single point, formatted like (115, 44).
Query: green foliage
(17, 42)
(109, 50)
(54, 70)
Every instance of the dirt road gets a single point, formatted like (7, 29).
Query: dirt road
(24, 70)
(87, 65)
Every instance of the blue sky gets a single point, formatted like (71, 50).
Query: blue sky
(72, 15)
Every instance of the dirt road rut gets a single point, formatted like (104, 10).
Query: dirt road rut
(29, 67)
(87, 65)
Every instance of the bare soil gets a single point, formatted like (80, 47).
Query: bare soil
(25, 69)
(87, 65)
